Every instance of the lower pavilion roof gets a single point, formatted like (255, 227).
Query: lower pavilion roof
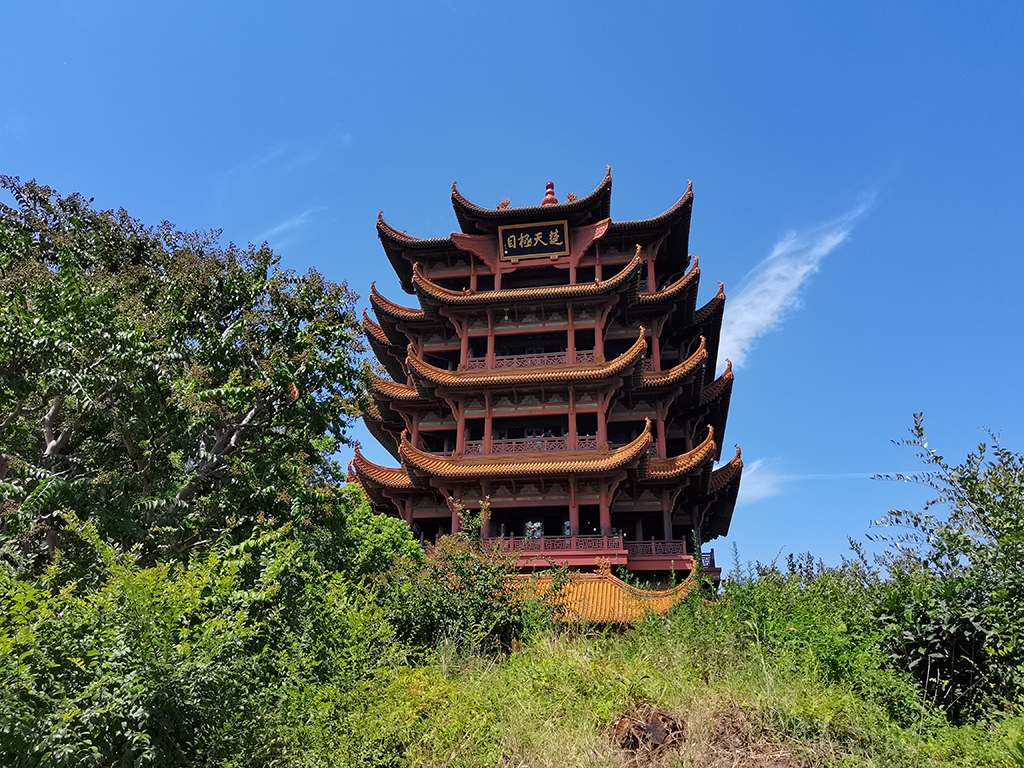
(600, 596)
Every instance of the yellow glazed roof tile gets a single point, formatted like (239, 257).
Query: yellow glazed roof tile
(673, 290)
(663, 469)
(391, 477)
(676, 372)
(601, 597)
(390, 308)
(715, 388)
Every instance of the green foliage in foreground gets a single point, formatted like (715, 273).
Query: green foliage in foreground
(253, 654)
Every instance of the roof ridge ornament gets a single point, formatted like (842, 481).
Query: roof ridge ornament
(504, 204)
(549, 194)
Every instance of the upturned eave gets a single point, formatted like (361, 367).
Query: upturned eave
(475, 219)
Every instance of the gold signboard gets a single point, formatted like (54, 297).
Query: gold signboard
(545, 239)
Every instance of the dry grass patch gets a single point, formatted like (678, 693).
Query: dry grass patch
(651, 737)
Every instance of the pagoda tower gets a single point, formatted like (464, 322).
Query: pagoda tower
(556, 364)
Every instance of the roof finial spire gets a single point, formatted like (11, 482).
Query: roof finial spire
(549, 194)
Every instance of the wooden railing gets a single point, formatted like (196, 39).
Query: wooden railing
(560, 543)
(529, 361)
(529, 445)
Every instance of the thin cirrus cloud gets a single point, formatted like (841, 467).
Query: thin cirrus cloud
(761, 480)
(288, 225)
(772, 289)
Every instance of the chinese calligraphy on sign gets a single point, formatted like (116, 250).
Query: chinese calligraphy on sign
(546, 239)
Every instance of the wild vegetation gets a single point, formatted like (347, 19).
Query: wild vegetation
(187, 580)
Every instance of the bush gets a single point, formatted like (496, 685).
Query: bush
(177, 664)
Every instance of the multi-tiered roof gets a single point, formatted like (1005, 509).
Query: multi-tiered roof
(557, 364)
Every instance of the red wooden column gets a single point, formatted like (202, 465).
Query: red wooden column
(650, 276)
(456, 523)
(488, 422)
(662, 448)
(463, 329)
(490, 341)
(602, 419)
(460, 433)
(570, 355)
(666, 521)
(606, 510)
(574, 438)
(485, 530)
(408, 512)
(574, 509)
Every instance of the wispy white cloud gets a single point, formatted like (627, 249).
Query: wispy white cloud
(763, 480)
(295, 222)
(759, 482)
(772, 288)
(285, 158)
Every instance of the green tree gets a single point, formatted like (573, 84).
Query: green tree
(954, 604)
(167, 388)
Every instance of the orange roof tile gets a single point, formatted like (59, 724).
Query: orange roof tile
(673, 290)
(540, 374)
(601, 196)
(715, 388)
(726, 474)
(601, 597)
(390, 308)
(679, 208)
(374, 331)
(664, 469)
(393, 389)
(391, 477)
(389, 233)
(712, 306)
(433, 292)
(676, 372)
(525, 464)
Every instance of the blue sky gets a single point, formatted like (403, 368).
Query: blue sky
(857, 173)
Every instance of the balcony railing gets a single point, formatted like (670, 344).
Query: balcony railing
(529, 361)
(642, 549)
(540, 358)
(529, 445)
(637, 550)
(560, 543)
